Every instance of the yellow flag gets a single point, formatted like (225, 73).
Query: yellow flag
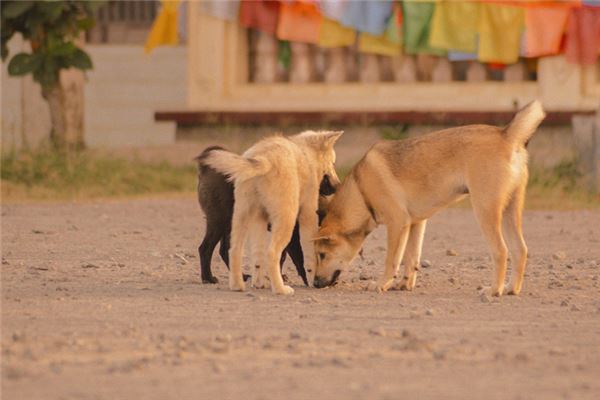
(500, 29)
(454, 26)
(368, 43)
(164, 28)
(333, 34)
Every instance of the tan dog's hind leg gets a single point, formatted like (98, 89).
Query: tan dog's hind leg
(514, 236)
(489, 215)
(412, 255)
(281, 232)
(397, 236)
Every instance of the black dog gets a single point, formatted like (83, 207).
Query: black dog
(215, 195)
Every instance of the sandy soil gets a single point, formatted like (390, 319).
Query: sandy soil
(102, 301)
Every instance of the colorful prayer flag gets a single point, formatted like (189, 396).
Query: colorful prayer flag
(164, 27)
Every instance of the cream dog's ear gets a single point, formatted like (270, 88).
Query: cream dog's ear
(332, 136)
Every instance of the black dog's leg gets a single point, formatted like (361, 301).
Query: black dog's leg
(282, 260)
(205, 251)
(224, 248)
(294, 249)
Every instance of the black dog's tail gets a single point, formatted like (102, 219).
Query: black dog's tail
(201, 158)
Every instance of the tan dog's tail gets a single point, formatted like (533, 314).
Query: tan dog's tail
(236, 167)
(524, 124)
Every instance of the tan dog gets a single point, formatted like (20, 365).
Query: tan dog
(276, 182)
(402, 183)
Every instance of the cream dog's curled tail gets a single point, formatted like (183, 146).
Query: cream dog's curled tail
(236, 167)
(524, 124)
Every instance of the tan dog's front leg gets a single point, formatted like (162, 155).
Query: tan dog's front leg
(412, 256)
(397, 236)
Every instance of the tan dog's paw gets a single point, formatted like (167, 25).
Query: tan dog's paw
(497, 291)
(490, 292)
(285, 290)
(405, 284)
(513, 290)
(383, 284)
(400, 285)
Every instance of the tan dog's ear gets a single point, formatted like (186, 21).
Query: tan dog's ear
(325, 238)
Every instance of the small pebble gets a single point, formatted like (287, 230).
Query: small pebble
(484, 298)
(218, 368)
(365, 276)
(521, 357)
(429, 312)
(559, 255)
(309, 300)
(451, 252)
(224, 338)
(378, 332)
(425, 263)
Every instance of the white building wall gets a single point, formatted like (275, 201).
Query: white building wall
(124, 90)
(122, 93)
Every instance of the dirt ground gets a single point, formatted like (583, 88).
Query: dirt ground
(102, 300)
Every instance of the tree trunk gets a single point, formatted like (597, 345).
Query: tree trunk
(65, 101)
(55, 98)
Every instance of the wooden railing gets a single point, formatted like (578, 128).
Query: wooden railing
(123, 22)
(309, 63)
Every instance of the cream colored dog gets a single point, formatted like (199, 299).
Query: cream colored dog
(276, 182)
(402, 183)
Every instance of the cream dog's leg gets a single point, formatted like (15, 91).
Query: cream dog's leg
(258, 239)
(281, 232)
(514, 235)
(412, 255)
(397, 236)
(239, 229)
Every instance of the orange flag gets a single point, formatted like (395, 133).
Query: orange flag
(299, 22)
(261, 15)
(544, 29)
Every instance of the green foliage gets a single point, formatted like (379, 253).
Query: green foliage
(394, 132)
(47, 173)
(560, 187)
(563, 176)
(51, 27)
(284, 54)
